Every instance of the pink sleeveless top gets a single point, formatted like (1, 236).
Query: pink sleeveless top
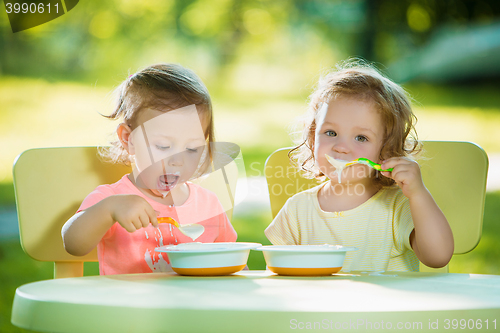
(121, 252)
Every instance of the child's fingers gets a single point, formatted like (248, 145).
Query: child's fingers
(136, 222)
(386, 174)
(390, 163)
(400, 173)
(153, 217)
(144, 219)
(396, 173)
(393, 161)
(399, 176)
(131, 225)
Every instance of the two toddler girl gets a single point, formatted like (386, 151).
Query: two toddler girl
(166, 133)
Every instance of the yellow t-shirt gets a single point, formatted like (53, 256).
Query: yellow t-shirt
(380, 228)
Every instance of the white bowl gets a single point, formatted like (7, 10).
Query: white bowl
(208, 258)
(305, 259)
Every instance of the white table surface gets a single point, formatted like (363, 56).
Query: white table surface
(259, 301)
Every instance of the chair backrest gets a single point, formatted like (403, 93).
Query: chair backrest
(51, 183)
(454, 172)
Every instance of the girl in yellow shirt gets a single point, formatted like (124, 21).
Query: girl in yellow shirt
(390, 216)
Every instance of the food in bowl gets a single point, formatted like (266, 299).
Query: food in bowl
(208, 258)
(305, 260)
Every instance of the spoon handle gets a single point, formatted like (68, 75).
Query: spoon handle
(372, 164)
(168, 220)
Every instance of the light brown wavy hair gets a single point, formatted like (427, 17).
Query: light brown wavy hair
(358, 79)
(163, 87)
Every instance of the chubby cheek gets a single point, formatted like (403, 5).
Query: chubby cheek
(360, 171)
(142, 163)
(366, 150)
(326, 168)
(375, 155)
(140, 150)
(321, 145)
(322, 163)
(324, 146)
(319, 151)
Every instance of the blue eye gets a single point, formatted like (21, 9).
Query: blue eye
(331, 133)
(361, 138)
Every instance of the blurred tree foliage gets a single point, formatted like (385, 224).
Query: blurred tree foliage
(102, 38)
(113, 34)
(384, 30)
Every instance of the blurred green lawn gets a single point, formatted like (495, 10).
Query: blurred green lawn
(66, 114)
(37, 113)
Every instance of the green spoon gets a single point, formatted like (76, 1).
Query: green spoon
(340, 165)
(371, 164)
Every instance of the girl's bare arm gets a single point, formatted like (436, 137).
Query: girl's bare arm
(83, 231)
(432, 239)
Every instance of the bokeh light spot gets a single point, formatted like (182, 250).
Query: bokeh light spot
(194, 20)
(104, 25)
(418, 18)
(257, 21)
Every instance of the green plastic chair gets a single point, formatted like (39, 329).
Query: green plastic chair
(51, 183)
(454, 172)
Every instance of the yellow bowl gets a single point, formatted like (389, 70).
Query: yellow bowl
(208, 259)
(305, 260)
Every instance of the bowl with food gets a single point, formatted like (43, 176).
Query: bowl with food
(208, 259)
(305, 260)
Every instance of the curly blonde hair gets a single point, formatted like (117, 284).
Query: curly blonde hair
(164, 87)
(358, 79)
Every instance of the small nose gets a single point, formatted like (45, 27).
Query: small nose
(176, 159)
(341, 146)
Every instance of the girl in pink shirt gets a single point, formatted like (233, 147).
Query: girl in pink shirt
(166, 135)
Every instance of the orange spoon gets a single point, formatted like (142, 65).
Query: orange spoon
(168, 220)
(192, 230)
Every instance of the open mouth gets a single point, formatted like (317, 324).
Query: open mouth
(168, 181)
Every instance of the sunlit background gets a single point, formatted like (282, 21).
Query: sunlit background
(260, 59)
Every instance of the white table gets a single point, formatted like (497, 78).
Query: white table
(259, 301)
